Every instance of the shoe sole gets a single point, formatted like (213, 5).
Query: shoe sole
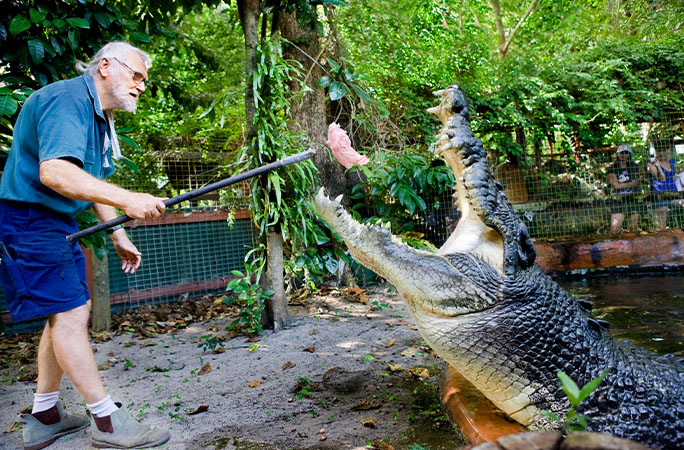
(99, 444)
(43, 444)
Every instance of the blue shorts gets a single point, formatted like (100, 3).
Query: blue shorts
(40, 273)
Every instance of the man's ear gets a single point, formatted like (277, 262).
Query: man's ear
(104, 66)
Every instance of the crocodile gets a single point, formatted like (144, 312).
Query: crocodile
(483, 305)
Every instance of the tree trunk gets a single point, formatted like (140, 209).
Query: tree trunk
(249, 11)
(276, 315)
(278, 302)
(310, 115)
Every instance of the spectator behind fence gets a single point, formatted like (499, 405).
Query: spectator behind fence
(663, 181)
(624, 176)
(62, 150)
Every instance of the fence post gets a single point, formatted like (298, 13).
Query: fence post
(102, 314)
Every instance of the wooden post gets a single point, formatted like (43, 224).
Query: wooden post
(102, 314)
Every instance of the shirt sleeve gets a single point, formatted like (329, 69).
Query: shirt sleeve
(63, 126)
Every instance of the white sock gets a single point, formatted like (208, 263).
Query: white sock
(103, 408)
(43, 402)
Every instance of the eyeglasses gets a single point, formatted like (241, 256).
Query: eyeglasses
(137, 76)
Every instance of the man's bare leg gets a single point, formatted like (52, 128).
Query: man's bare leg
(49, 370)
(616, 223)
(73, 353)
(634, 223)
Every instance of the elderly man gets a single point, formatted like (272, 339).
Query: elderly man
(62, 150)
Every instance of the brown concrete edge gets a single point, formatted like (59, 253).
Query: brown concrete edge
(665, 248)
(478, 419)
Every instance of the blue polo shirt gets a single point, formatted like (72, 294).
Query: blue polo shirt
(61, 120)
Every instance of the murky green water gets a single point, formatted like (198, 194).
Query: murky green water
(648, 310)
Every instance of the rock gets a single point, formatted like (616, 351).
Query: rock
(542, 440)
(584, 440)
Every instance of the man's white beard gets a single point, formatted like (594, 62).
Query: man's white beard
(123, 98)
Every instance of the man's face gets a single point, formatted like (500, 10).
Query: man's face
(125, 89)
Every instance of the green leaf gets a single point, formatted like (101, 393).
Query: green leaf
(141, 37)
(331, 264)
(547, 413)
(570, 388)
(362, 94)
(591, 386)
(128, 141)
(77, 22)
(59, 24)
(334, 66)
(337, 90)
(37, 16)
(18, 24)
(8, 105)
(105, 20)
(36, 50)
(131, 165)
(324, 82)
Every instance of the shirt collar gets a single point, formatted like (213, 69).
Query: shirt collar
(90, 84)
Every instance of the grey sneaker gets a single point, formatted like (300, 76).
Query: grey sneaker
(38, 435)
(120, 430)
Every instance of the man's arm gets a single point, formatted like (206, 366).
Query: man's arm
(71, 181)
(129, 254)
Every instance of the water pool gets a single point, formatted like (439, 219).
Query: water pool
(649, 310)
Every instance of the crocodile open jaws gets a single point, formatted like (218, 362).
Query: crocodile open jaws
(486, 308)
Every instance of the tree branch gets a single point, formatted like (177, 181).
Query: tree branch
(503, 51)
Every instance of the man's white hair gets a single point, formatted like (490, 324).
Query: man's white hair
(115, 49)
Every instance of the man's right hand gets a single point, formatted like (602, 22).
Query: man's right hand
(143, 206)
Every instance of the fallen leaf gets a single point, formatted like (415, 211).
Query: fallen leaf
(206, 368)
(323, 438)
(313, 331)
(379, 445)
(368, 422)
(394, 367)
(255, 383)
(329, 373)
(410, 352)
(334, 319)
(254, 339)
(219, 300)
(365, 406)
(14, 426)
(105, 366)
(200, 409)
(220, 350)
(391, 343)
(147, 343)
(321, 431)
(419, 372)
(288, 365)
(310, 349)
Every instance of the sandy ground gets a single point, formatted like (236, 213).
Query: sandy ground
(337, 379)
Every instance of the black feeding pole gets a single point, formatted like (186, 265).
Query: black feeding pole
(197, 192)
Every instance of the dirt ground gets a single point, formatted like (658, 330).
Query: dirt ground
(351, 373)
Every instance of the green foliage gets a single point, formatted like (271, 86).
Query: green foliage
(573, 420)
(395, 189)
(250, 295)
(210, 342)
